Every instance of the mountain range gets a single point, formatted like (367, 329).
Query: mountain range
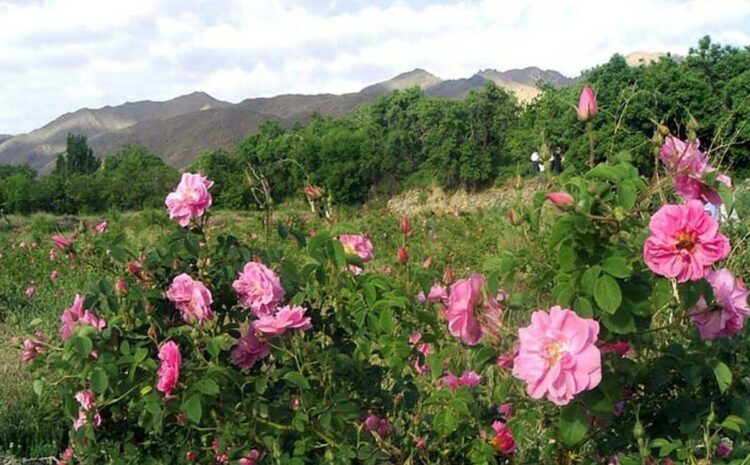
(178, 129)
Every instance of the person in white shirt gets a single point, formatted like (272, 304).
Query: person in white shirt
(536, 166)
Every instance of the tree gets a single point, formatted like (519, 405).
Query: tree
(78, 157)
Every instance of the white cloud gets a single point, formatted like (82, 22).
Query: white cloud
(60, 55)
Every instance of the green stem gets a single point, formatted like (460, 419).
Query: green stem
(590, 132)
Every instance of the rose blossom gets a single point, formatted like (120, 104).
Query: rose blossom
(169, 371)
(62, 242)
(52, 255)
(32, 348)
(503, 441)
(470, 313)
(375, 424)
(101, 227)
(558, 356)
(77, 315)
(506, 410)
(190, 199)
(249, 350)
(358, 245)
(467, 379)
(284, 319)
(191, 298)
(251, 458)
(54, 276)
(259, 288)
(30, 291)
(684, 242)
(437, 294)
(688, 165)
(727, 316)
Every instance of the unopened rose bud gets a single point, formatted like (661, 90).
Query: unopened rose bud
(561, 199)
(403, 255)
(296, 403)
(448, 276)
(152, 331)
(587, 107)
(427, 262)
(121, 286)
(191, 456)
(405, 225)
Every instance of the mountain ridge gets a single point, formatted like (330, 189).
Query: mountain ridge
(180, 128)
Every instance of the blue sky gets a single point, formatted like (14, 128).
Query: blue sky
(60, 55)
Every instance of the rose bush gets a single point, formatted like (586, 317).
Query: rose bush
(210, 349)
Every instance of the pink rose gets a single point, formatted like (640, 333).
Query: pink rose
(506, 410)
(30, 291)
(249, 350)
(437, 294)
(32, 348)
(471, 313)
(688, 165)
(169, 371)
(52, 255)
(251, 458)
(557, 356)
(358, 245)
(101, 227)
(284, 319)
(684, 242)
(375, 424)
(259, 288)
(191, 298)
(503, 441)
(86, 398)
(190, 199)
(62, 242)
(587, 107)
(76, 315)
(727, 317)
(403, 255)
(54, 276)
(415, 338)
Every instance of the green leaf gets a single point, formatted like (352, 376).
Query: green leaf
(297, 379)
(99, 380)
(588, 279)
(193, 408)
(733, 423)
(626, 194)
(583, 308)
(339, 255)
(573, 425)
(621, 322)
(207, 386)
(444, 423)
(607, 294)
(723, 375)
(38, 386)
(617, 267)
(83, 346)
(567, 257)
(213, 346)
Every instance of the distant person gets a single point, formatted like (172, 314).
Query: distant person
(557, 160)
(536, 166)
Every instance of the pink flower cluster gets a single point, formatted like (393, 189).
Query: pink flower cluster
(169, 371)
(358, 245)
(191, 198)
(688, 165)
(76, 315)
(33, 347)
(86, 399)
(376, 424)
(191, 298)
(467, 379)
(471, 312)
(259, 289)
(557, 355)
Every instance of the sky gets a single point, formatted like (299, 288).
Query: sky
(57, 56)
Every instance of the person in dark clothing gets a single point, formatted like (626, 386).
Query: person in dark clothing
(557, 160)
